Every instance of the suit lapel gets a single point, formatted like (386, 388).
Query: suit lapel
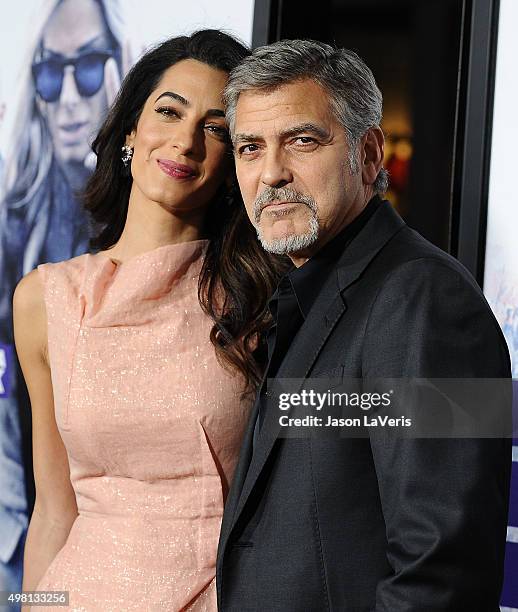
(328, 308)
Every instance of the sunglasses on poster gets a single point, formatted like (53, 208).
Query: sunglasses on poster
(88, 74)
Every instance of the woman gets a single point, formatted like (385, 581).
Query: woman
(137, 415)
(48, 159)
(72, 75)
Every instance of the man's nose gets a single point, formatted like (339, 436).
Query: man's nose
(275, 170)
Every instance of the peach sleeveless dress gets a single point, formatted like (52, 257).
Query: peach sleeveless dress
(152, 425)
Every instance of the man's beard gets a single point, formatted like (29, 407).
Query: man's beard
(291, 243)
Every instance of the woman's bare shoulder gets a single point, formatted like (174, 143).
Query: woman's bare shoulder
(28, 299)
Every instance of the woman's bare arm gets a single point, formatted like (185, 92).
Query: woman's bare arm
(55, 507)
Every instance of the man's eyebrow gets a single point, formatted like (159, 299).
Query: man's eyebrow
(305, 128)
(246, 138)
(174, 96)
(302, 128)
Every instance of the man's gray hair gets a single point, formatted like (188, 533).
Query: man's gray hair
(354, 96)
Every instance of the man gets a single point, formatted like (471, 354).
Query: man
(382, 523)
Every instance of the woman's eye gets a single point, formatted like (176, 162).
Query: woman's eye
(218, 130)
(167, 111)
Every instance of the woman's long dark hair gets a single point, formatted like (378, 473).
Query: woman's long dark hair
(237, 276)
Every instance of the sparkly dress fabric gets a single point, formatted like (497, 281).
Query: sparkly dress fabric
(152, 425)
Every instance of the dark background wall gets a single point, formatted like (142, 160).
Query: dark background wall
(413, 48)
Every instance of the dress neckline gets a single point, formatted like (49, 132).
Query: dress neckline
(175, 248)
(128, 293)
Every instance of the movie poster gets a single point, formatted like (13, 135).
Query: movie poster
(501, 263)
(63, 61)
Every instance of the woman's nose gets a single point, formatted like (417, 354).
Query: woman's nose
(69, 94)
(186, 138)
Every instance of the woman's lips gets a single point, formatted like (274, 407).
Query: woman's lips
(73, 127)
(176, 170)
(72, 133)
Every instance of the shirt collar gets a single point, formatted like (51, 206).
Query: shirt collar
(307, 280)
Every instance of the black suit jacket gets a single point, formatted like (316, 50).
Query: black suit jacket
(381, 524)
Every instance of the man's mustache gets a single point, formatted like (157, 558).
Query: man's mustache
(281, 194)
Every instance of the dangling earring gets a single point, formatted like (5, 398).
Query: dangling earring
(127, 154)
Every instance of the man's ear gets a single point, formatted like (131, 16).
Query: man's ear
(371, 158)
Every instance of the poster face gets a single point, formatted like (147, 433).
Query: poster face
(63, 61)
(501, 264)
(66, 61)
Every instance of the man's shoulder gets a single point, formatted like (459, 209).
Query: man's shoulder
(408, 245)
(387, 248)
(409, 256)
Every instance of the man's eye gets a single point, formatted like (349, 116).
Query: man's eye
(247, 149)
(305, 140)
(167, 111)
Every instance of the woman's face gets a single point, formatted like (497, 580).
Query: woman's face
(181, 153)
(76, 29)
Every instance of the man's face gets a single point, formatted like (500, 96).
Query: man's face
(75, 27)
(293, 167)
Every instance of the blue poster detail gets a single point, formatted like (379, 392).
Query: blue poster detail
(509, 599)
(510, 591)
(513, 505)
(6, 367)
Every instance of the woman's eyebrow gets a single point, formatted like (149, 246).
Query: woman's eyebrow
(91, 45)
(211, 112)
(215, 112)
(174, 96)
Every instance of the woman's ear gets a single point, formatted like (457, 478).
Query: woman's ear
(42, 106)
(130, 138)
(372, 154)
